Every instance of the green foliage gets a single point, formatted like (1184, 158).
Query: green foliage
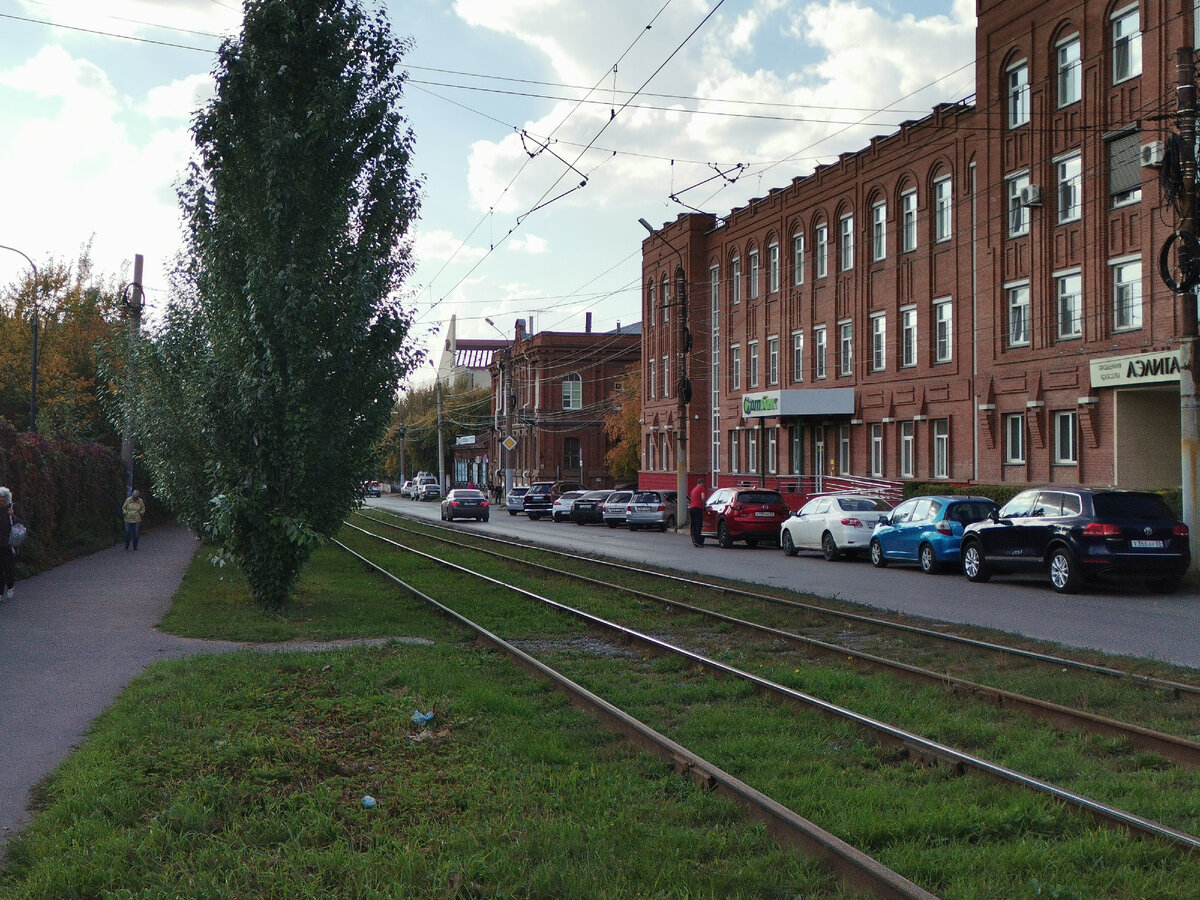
(623, 426)
(261, 402)
(465, 410)
(1000, 493)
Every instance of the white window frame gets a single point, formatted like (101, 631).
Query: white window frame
(572, 392)
(1126, 274)
(845, 348)
(752, 364)
(846, 242)
(908, 449)
(1068, 290)
(652, 381)
(752, 275)
(876, 450)
(735, 440)
(843, 449)
(943, 330)
(1018, 212)
(772, 268)
(798, 258)
(878, 342)
(1017, 299)
(879, 230)
(1016, 92)
(820, 349)
(1069, 169)
(735, 281)
(772, 451)
(822, 251)
(798, 356)
(941, 448)
(1070, 71)
(943, 209)
(773, 360)
(1126, 44)
(666, 374)
(666, 300)
(908, 337)
(1014, 439)
(735, 367)
(752, 450)
(1066, 438)
(651, 312)
(795, 449)
(908, 220)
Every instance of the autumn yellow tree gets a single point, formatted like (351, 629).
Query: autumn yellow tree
(624, 427)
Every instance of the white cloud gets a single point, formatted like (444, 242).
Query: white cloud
(179, 99)
(530, 243)
(441, 246)
(138, 16)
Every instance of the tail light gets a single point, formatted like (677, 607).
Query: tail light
(735, 508)
(484, 504)
(1101, 529)
(944, 528)
(1180, 530)
(661, 508)
(852, 522)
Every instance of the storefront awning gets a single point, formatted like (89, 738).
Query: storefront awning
(803, 402)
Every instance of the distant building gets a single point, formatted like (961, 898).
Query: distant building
(974, 298)
(551, 393)
(469, 358)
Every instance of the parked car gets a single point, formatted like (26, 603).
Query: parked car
(927, 531)
(539, 500)
(588, 508)
(744, 514)
(561, 508)
(514, 502)
(407, 489)
(651, 509)
(839, 525)
(615, 507)
(429, 490)
(372, 489)
(465, 503)
(1074, 534)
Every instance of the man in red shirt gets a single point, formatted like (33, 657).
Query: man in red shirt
(696, 498)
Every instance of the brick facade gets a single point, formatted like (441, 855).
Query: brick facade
(962, 274)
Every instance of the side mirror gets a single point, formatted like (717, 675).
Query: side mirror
(994, 515)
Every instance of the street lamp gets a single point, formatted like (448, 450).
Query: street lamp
(506, 388)
(33, 373)
(683, 391)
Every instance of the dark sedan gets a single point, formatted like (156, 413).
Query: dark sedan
(1074, 534)
(589, 509)
(465, 503)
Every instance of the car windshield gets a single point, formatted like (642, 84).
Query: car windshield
(468, 495)
(517, 492)
(765, 497)
(619, 497)
(1131, 506)
(647, 497)
(966, 513)
(571, 495)
(864, 504)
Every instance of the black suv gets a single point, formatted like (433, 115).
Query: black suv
(539, 500)
(1074, 534)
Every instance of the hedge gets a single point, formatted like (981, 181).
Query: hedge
(69, 496)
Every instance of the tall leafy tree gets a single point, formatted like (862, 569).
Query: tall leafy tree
(623, 426)
(261, 402)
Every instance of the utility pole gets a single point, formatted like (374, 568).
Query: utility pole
(441, 447)
(509, 401)
(1189, 407)
(133, 300)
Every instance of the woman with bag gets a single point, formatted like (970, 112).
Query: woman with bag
(12, 533)
(133, 510)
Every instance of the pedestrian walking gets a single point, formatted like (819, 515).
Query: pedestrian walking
(696, 497)
(8, 553)
(133, 510)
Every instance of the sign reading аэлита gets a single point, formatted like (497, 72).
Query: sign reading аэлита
(1138, 368)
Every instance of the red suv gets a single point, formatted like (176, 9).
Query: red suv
(744, 514)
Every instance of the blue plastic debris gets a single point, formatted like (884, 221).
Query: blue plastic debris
(420, 718)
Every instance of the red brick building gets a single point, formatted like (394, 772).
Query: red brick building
(551, 393)
(974, 298)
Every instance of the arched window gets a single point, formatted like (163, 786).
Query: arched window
(572, 392)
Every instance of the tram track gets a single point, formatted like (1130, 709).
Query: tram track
(913, 746)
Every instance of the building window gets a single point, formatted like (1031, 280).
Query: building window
(734, 440)
(1070, 305)
(908, 450)
(941, 448)
(846, 246)
(1070, 182)
(752, 364)
(752, 275)
(878, 342)
(844, 450)
(1070, 84)
(1126, 45)
(1066, 448)
(650, 439)
(735, 368)
(1014, 438)
(820, 345)
(822, 251)
(773, 268)
(879, 231)
(772, 360)
(666, 373)
(798, 259)
(845, 348)
(572, 392)
(1018, 94)
(751, 449)
(796, 449)
(652, 381)
(772, 451)
(877, 450)
(1018, 211)
(908, 336)
(943, 202)
(1125, 168)
(943, 331)
(666, 299)
(572, 454)
(651, 311)
(665, 456)
(798, 356)
(1018, 316)
(1127, 295)
(908, 221)
(735, 281)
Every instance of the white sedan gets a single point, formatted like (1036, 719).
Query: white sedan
(839, 525)
(561, 510)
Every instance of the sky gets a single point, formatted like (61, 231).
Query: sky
(544, 130)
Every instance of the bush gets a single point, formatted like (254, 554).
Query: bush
(1002, 493)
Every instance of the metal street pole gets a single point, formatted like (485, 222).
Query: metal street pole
(34, 366)
(506, 364)
(1189, 406)
(134, 306)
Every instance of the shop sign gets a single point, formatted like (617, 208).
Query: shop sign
(464, 440)
(1138, 368)
(799, 402)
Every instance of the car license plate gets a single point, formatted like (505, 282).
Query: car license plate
(1146, 545)
(764, 515)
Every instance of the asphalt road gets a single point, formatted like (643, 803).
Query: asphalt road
(1126, 620)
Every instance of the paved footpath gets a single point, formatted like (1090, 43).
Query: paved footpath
(70, 641)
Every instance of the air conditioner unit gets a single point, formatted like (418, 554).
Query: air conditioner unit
(1031, 195)
(1152, 153)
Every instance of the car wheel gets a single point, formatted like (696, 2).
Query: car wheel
(1064, 571)
(973, 564)
(486, 518)
(511, 513)
(1164, 585)
(534, 516)
(929, 563)
(670, 526)
(724, 538)
(789, 546)
(829, 547)
(878, 560)
(634, 527)
(610, 523)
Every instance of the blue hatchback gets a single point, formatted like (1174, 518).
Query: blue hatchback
(927, 531)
